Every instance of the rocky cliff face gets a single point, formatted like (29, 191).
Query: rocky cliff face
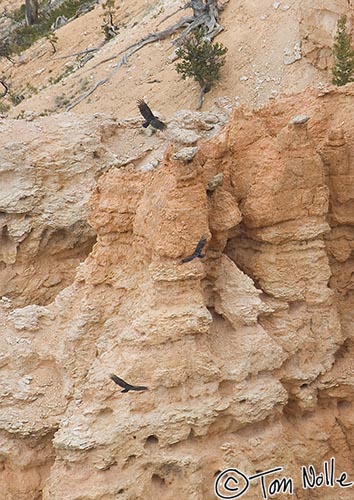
(247, 354)
(47, 174)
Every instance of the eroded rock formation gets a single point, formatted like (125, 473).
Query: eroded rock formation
(247, 354)
(47, 174)
(318, 24)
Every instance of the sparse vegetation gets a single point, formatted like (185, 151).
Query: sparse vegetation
(16, 98)
(24, 36)
(18, 15)
(69, 69)
(31, 88)
(205, 13)
(4, 107)
(61, 101)
(201, 60)
(10, 97)
(84, 84)
(109, 29)
(5, 50)
(46, 112)
(343, 69)
(53, 40)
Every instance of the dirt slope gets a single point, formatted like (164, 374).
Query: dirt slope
(265, 39)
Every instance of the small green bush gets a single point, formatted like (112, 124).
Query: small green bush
(201, 59)
(343, 69)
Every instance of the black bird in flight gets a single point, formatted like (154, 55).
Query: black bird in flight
(127, 387)
(197, 252)
(150, 118)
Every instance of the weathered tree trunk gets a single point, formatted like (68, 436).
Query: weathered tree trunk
(5, 87)
(31, 11)
(198, 7)
(207, 8)
(205, 87)
(205, 13)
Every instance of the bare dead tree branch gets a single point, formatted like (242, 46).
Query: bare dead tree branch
(140, 44)
(82, 52)
(159, 35)
(6, 87)
(170, 15)
(87, 94)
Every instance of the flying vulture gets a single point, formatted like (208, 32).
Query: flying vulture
(197, 252)
(150, 118)
(127, 387)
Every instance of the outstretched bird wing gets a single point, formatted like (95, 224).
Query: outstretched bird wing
(139, 388)
(158, 124)
(197, 251)
(201, 245)
(145, 111)
(188, 258)
(120, 381)
(127, 387)
(149, 116)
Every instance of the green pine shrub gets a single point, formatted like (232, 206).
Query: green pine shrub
(201, 59)
(343, 69)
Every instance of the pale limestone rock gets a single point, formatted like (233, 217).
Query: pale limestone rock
(309, 280)
(47, 173)
(237, 298)
(215, 182)
(257, 399)
(292, 54)
(173, 325)
(308, 229)
(224, 213)
(299, 120)
(318, 23)
(183, 136)
(247, 353)
(165, 272)
(185, 154)
(27, 317)
(197, 120)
